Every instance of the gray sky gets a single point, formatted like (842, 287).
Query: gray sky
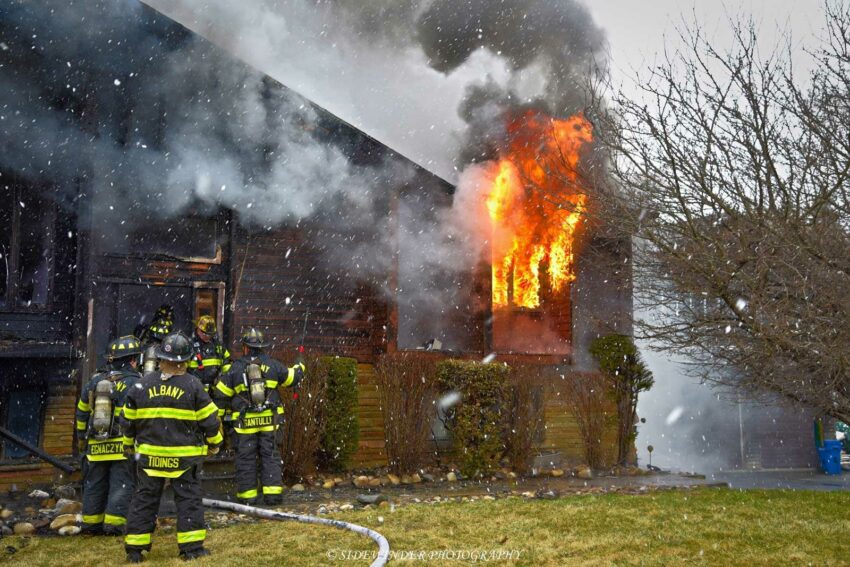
(392, 94)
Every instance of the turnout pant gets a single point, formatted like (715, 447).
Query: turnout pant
(107, 488)
(252, 448)
(144, 507)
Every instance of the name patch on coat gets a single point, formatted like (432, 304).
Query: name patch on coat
(165, 390)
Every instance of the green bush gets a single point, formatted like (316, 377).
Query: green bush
(477, 421)
(620, 361)
(341, 431)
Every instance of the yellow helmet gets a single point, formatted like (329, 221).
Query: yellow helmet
(206, 323)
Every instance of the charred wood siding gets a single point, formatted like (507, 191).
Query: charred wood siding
(278, 275)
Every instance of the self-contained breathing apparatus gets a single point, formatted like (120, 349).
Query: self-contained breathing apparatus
(255, 382)
(100, 400)
(150, 362)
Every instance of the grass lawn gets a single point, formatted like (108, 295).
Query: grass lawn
(706, 526)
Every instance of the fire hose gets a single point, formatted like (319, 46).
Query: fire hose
(383, 544)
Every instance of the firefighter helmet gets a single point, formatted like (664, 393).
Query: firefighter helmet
(175, 347)
(254, 338)
(165, 311)
(206, 323)
(160, 328)
(123, 347)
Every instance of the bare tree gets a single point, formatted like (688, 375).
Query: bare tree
(734, 173)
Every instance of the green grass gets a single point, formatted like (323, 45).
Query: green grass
(707, 526)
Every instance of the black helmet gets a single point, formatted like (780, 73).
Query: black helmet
(165, 311)
(123, 347)
(160, 328)
(175, 347)
(254, 338)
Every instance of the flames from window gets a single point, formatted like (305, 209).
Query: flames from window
(536, 207)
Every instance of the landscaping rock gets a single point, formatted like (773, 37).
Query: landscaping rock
(347, 507)
(329, 484)
(557, 472)
(24, 528)
(40, 523)
(361, 481)
(6, 514)
(6, 530)
(338, 480)
(69, 530)
(298, 487)
(65, 506)
(511, 474)
(394, 480)
(39, 494)
(375, 482)
(406, 479)
(428, 477)
(48, 503)
(415, 478)
(65, 491)
(371, 498)
(65, 520)
(451, 477)
(584, 472)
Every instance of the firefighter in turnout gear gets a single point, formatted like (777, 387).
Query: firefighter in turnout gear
(152, 335)
(210, 358)
(251, 389)
(108, 475)
(171, 423)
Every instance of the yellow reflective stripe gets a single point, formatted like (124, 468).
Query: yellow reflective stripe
(248, 430)
(212, 361)
(128, 440)
(83, 406)
(165, 413)
(173, 451)
(81, 425)
(240, 388)
(279, 410)
(247, 494)
(290, 377)
(272, 490)
(95, 519)
(107, 457)
(226, 368)
(215, 439)
(137, 539)
(189, 537)
(114, 520)
(206, 411)
(224, 389)
(264, 413)
(271, 384)
(129, 413)
(116, 411)
(164, 474)
(221, 412)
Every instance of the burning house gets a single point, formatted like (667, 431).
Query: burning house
(141, 165)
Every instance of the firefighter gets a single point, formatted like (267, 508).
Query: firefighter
(152, 335)
(251, 390)
(108, 479)
(171, 423)
(210, 358)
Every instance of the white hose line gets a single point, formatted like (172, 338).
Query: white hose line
(383, 544)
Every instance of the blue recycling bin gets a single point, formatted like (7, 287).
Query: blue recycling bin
(830, 456)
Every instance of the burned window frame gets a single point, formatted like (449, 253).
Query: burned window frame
(7, 390)
(11, 304)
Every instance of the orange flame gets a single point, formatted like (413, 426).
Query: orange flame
(536, 207)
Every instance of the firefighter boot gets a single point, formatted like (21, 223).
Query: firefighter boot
(194, 554)
(135, 556)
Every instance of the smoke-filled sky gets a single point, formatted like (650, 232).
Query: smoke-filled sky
(382, 65)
